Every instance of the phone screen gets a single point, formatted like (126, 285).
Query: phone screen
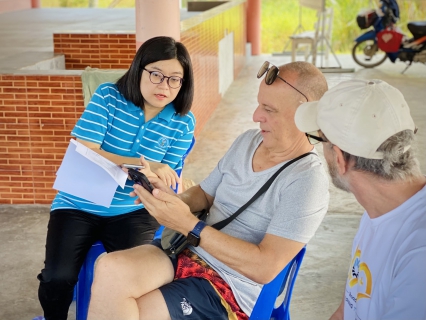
(140, 179)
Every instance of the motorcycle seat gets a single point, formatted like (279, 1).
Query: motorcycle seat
(417, 28)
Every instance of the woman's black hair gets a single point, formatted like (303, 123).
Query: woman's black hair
(152, 50)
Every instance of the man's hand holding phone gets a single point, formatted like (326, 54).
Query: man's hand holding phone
(165, 206)
(156, 169)
(156, 183)
(140, 179)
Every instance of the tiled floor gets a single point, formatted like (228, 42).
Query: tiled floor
(319, 286)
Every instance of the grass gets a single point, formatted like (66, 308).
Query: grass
(280, 18)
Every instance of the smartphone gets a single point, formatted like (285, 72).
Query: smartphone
(140, 179)
(132, 166)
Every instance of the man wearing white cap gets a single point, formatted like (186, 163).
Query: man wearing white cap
(367, 134)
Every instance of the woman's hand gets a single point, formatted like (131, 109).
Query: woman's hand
(162, 171)
(147, 167)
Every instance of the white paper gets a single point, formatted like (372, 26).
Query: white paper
(87, 176)
(110, 167)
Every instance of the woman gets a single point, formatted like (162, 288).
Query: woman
(144, 118)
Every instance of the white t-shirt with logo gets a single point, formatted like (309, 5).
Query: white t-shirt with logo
(387, 274)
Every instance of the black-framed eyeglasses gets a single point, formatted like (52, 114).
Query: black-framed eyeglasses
(272, 75)
(313, 139)
(156, 77)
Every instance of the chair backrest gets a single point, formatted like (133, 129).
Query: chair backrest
(179, 171)
(278, 290)
(324, 24)
(91, 78)
(317, 5)
(313, 4)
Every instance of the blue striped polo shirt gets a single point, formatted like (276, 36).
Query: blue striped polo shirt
(120, 128)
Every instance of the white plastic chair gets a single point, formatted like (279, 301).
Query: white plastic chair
(312, 39)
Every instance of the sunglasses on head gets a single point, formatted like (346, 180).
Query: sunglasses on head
(272, 75)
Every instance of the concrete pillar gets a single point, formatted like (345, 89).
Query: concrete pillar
(35, 4)
(253, 25)
(157, 18)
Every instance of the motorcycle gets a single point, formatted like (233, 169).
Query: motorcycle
(385, 41)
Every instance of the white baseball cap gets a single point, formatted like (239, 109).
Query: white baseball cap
(357, 116)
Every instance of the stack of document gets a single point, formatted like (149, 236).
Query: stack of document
(88, 175)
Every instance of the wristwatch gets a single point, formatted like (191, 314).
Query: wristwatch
(194, 236)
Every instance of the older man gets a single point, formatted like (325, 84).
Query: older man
(221, 274)
(368, 135)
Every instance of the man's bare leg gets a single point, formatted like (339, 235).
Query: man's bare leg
(153, 306)
(121, 277)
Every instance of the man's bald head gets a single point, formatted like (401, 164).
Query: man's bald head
(309, 79)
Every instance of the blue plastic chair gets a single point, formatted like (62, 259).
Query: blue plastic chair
(85, 278)
(284, 282)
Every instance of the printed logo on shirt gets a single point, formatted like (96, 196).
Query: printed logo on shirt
(360, 275)
(163, 143)
(186, 307)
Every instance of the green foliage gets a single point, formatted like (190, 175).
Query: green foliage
(345, 28)
(281, 18)
(121, 4)
(64, 3)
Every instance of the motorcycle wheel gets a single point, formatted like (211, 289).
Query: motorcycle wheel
(367, 54)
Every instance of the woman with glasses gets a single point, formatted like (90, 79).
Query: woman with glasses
(142, 119)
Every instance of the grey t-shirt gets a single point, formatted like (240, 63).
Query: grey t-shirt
(293, 206)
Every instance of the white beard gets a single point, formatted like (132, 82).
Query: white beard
(337, 180)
